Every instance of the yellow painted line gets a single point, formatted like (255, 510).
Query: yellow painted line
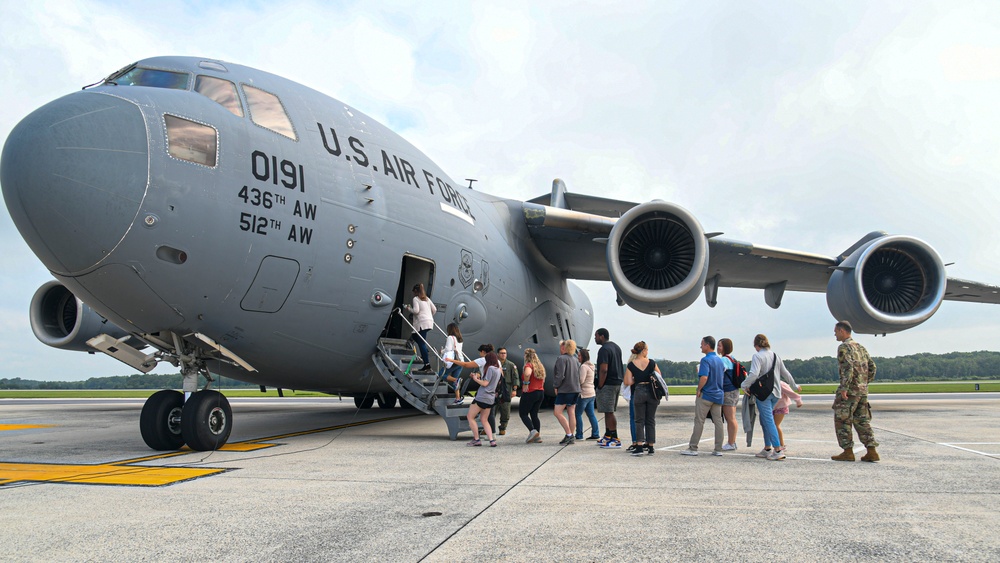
(23, 426)
(122, 473)
(101, 474)
(245, 447)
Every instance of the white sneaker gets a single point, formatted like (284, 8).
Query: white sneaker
(531, 436)
(717, 453)
(689, 452)
(763, 454)
(776, 455)
(729, 447)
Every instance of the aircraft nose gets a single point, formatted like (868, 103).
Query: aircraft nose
(73, 175)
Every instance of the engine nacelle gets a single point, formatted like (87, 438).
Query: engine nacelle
(658, 258)
(61, 320)
(890, 284)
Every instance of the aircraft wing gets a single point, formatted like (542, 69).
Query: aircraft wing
(659, 259)
(975, 292)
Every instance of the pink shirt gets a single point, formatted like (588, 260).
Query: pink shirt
(587, 381)
(787, 396)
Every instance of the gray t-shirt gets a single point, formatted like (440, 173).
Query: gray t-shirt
(487, 393)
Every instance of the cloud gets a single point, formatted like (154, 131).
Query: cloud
(802, 127)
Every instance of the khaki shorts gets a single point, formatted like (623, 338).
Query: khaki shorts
(607, 398)
(731, 398)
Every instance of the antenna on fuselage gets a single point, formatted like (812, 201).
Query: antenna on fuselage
(470, 181)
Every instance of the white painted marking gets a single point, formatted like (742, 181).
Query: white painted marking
(994, 456)
(452, 211)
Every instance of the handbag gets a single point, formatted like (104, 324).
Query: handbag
(658, 385)
(762, 388)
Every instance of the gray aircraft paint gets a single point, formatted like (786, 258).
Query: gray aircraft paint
(279, 249)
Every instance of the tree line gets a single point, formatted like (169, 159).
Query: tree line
(136, 381)
(954, 366)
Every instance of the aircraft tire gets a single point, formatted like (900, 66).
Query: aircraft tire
(386, 400)
(158, 420)
(206, 421)
(364, 401)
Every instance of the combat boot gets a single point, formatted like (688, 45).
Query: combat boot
(872, 455)
(846, 455)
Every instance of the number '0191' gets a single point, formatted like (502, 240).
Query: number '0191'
(269, 169)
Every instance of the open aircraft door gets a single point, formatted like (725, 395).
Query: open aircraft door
(414, 270)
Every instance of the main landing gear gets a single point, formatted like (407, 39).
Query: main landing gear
(203, 422)
(385, 400)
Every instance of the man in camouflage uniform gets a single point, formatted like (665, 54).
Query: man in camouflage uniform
(850, 405)
(513, 381)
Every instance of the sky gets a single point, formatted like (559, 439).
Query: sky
(788, 124)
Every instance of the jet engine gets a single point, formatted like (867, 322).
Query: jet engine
(658, 258)
(887, 285)
(61, 320)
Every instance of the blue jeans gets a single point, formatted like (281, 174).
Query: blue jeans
(422, 345)
(765, 410)
(454, 371)
(588, 406)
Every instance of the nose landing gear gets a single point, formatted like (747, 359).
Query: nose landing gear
(160, 420)
(203, 422)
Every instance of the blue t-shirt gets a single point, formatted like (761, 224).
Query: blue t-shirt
(712, 367)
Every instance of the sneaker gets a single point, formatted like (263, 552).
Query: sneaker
(531, 437)
(717, 453)
(572, 440)
(638, 450)
(603, 441)
(729, 447)
(763, 454)
(689, 452)
(650, 450)
(565, 441)
(632, 448)
(493, 443)
(580, 437)
(475, 442)
(776, 455)
(613, 444)
(459, 401)
(595, 437)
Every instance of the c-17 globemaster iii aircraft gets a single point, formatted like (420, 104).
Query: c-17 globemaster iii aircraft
(235, 223)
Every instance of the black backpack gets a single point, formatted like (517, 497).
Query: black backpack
(738, 374)
(502, 393)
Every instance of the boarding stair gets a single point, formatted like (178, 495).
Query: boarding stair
(398, 361)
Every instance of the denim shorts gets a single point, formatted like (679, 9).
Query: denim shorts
(567, 398)
(607, 398)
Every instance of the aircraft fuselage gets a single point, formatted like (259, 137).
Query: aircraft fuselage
(279, 238)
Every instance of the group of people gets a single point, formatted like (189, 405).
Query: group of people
(583, 387)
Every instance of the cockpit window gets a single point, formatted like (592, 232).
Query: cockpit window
(221, 91)
(191, 141)
(153, 78)
(266, 110)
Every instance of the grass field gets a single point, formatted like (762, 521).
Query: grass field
(808, 389)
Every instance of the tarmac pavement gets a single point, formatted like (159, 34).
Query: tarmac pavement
(397, 489)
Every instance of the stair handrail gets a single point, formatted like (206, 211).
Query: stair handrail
(416, 333)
